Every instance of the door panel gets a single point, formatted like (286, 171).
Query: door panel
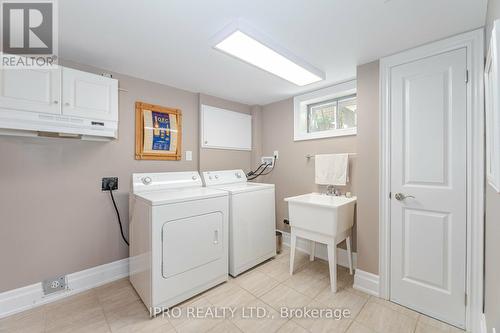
(425, 99)
(34, 90)
(428, 271)
(192, 242)
(89, 95)
(428, 164)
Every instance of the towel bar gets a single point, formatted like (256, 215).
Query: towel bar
(309, 156)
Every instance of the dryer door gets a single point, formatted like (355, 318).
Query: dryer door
(192, 242)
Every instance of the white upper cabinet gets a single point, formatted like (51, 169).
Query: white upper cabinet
(34, 90)
(89, 96)
(60, 100)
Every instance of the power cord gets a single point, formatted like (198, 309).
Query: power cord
(261, 173)
(251, 173)
(110, 186)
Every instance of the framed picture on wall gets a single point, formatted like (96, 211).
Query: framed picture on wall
(158, 132)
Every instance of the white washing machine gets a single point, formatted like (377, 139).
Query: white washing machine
(178, 237)
(252, 220)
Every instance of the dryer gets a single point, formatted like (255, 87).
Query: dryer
(178, 237)
(252, 220)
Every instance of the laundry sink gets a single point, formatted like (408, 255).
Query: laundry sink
(321, 213)
(325, 219)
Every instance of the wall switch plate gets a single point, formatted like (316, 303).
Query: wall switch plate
(189, 155)
(54, 285)
(106, 181)
(276, 154)
(269, 160)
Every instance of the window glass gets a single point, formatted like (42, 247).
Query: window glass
(322, 116)
(339, 113)
(346, 116)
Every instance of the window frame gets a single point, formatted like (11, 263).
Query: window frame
(301, 107)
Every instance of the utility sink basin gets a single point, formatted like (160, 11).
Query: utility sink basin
(325, 219)
(321, 213)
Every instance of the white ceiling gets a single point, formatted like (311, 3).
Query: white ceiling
(169, 41)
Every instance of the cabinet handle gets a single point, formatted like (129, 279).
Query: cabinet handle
(216, 237)
(67, 104)
(56, 102)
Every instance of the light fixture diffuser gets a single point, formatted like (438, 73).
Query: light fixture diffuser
(256, 49)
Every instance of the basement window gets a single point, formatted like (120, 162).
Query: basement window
(325, 113)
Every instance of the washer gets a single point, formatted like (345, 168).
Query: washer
(252, 220)
(178, 237)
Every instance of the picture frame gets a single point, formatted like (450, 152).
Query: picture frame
(158, 132)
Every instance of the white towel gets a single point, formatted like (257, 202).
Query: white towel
(331, 169)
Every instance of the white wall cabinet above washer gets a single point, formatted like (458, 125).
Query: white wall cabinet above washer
(89, 96)
(61, 100)
(34, 90)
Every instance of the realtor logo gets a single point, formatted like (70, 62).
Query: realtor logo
(29, 31)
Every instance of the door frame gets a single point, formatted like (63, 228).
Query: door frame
(473, 41)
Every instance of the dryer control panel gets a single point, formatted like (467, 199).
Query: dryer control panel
(164, 180)
(211, 178)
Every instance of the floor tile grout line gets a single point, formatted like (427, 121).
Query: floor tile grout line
(361, 310)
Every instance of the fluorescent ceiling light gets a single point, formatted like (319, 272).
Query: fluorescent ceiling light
(256, 51)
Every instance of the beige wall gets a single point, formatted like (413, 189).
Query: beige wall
(492, 223)
(368, 157)
(294, 174)
(256, 136)
(222, 159)
(54, 219)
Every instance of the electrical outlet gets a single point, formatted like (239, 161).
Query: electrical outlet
(107, 181)
(276, 154)
(53, 285)
(269, 160)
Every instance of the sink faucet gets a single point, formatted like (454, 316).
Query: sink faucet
(331, 190)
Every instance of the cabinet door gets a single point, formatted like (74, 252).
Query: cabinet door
(35, 90)
(89, 95)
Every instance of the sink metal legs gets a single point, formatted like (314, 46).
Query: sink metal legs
(293, 242)
(331, 243)
(332, 265)
(349, 253)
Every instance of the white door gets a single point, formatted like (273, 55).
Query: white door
(89, 95)
(35, 90)
(428, 165)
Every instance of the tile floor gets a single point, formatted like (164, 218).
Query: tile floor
(116, 307)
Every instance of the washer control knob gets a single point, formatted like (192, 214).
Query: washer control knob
(238, 175)
(146, 180)
(194, 178)
(216, 177)
(210, 177)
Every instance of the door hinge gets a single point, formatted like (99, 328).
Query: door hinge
(390, 195)
(465, 299)
(467, 76)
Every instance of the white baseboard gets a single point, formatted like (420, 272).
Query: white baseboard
(483, 326)
(366, 282)
(24, 298)
(303, 245)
